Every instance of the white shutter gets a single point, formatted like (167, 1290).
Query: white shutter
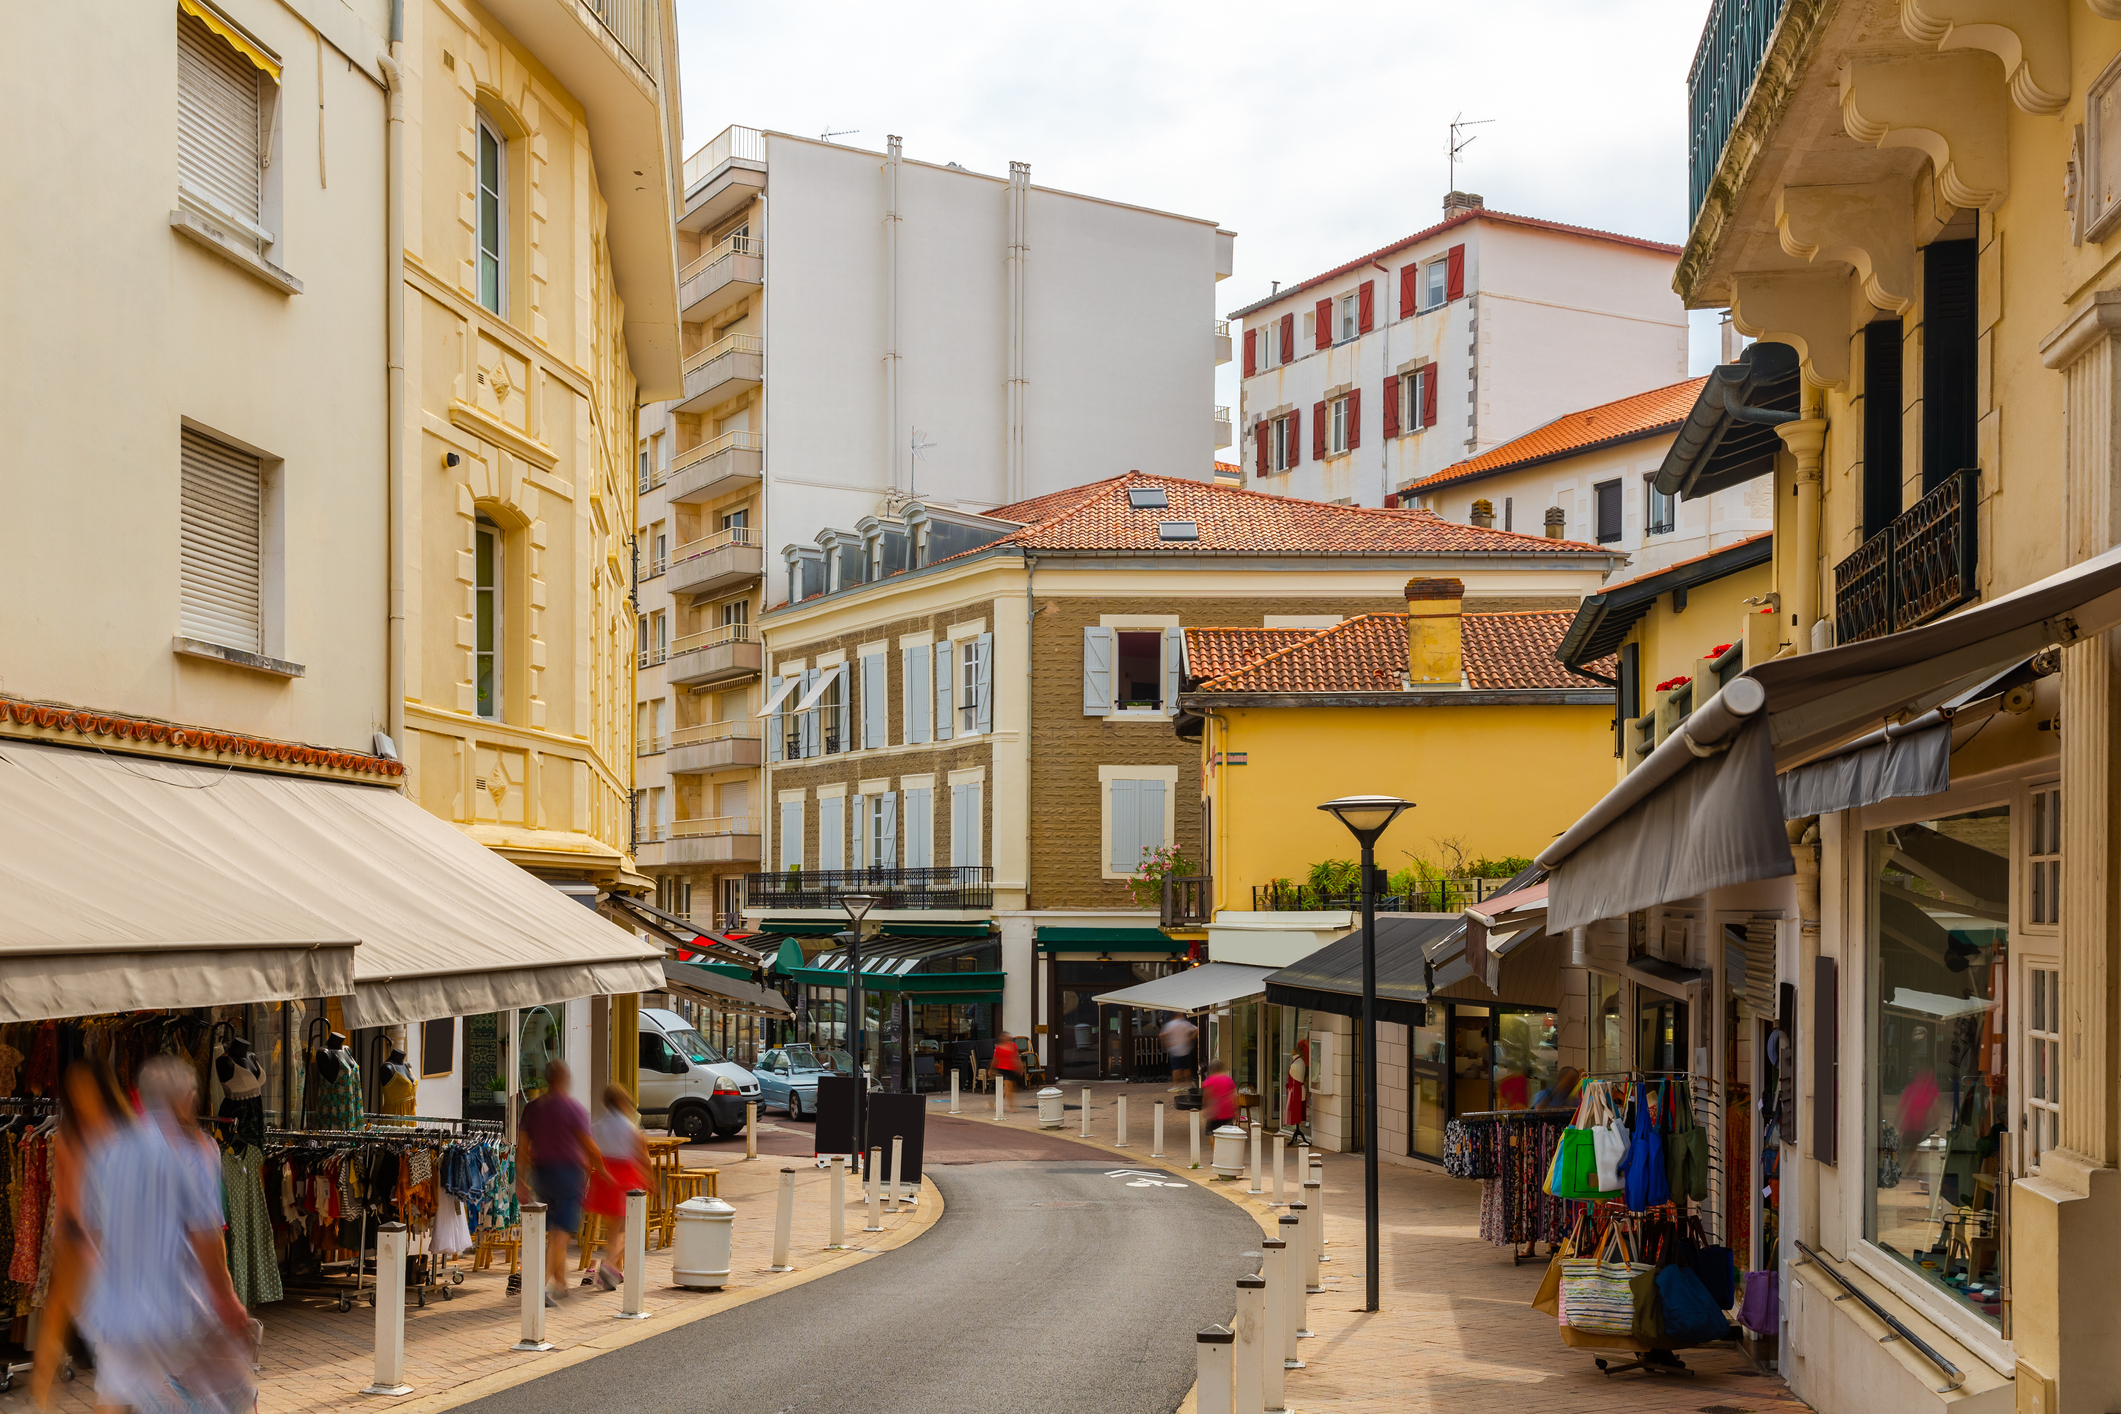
(1174, 666)
(1123, 814)
(1097, 672)
(887, 846)
(791, 834)
(920, 829)
(984, 694)
(220, 533)
(876, 716)
(943, 694)
(846, 722)
(831, 833)
(1150, 833)
(218, 155)
(858, 856)
(809, 719)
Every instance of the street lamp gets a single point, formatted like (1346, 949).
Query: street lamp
(857, 906)
(1366, 817)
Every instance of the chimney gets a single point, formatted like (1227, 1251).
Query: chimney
(1484, 513)
(1434, 654)
(1458, 201)
(1557, 523)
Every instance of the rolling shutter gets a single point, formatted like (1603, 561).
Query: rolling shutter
(1428, 397)
(1391, 406)
(1174, 666)
(1286, 348)
(985, 686)
(1322, 330)
(1296, 441)
(1354, 418)
(218, 154)
(1455, 273)
(1366, 306)
(1097, 672)
(876, 712)
(1409, 290)
(1318, 432)
(220, 533)
(944, 695)
(1125, 826)
(1251, 352)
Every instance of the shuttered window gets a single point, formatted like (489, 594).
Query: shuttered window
(920, 828)
(220, 154)
(221, 532)
(965, 821)
(1134, 822)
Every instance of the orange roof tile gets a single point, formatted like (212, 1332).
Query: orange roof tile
(1212, 652)
(1368, 653)
(54, 717)
(1681, 564)
(1637, 415)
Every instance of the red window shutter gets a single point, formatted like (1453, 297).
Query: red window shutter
(1366, 307)
(1259, 436)
(1455, 274)
(1409, 289)
(1354, 418)
(1288, 338)
(1296, 443)
(1392, 406)
(1318, 432)
(1324, 324)
(1251, 352)
(1428, 397)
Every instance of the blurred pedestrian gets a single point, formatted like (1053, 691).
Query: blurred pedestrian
(1005, 1064)
(1178, 1034)
(624, 1149)
(93, 1109)
(554, 1158)
(168, 1331)
(1218, 1097)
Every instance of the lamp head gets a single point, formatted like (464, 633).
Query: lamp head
(857, 906)
(1366, 816)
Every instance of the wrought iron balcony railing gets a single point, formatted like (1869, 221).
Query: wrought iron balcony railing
(1427, 896)
(1734, 41)
(1921, 566)
(942, 887)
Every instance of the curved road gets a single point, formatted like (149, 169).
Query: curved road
(1047, 1285)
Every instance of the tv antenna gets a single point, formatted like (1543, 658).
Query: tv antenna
(1460, 144)
(915, 445)
(831, 132)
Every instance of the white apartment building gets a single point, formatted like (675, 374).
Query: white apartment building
(1397, 364)
(861, 329)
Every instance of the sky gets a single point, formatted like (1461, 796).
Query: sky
(1316, 132)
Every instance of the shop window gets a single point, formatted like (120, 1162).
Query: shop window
(1939, 910)
(1607, 1039)
(2043, 1063)
(1662, 1039)
(2043, 905)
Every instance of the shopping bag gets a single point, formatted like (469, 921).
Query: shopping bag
(1599, 1147)
(1761, 1312)
(1647, 1185)
(1548, 1297)
(1686, 1160)
(1610, 1294)
(1689, 1313)
(1718, 1271)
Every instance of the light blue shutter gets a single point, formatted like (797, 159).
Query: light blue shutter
(846, 722)
(791, 834)
(1125, 813)
(1174, 666)
(983, 694)
(887, 846)
(1150, 833)
(1097, 672)
(858, 832)
(831, 833)
(920, 829)
(919, 692)
(943, 695)
(773, 723)
(876, 714)
(809, 718)
(965, 823)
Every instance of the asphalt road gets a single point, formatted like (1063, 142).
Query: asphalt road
(1047, 1285)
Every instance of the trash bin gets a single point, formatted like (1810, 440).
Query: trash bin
(1228, 1160)
(705, 1227)
(1052, 1112)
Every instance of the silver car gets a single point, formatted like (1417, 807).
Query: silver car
(788, 1077)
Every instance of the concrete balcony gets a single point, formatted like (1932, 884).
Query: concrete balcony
(717, 746)
(732, 462)
(722, 561)
(1222, 342)
(723, 177)
(1224, 436)
(725, 276)
(723, 370)
(728, 654)
(718, 839)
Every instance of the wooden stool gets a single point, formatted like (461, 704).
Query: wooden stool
(592, 1233)
(491, 1240)
(662, 1163)
(684, 1184)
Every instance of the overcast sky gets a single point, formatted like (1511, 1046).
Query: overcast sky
(1315, 131)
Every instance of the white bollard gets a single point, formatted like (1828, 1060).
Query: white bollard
(839, 1204)
(532, 1233)
(1086, 1112)
(898, 1192)
(1318, 1219)
(1252, 1187)
(751, 1130)
(632, 1288)
(1119, 1134)
(1156, 1129)
(1296, 1305)
(955, 1108)
(1303, 1164)
(1247, 1360)
(1211, 1369)
(876, 1181)
(999, 1113)
(1313, 1216)
(1194, 1116)
(390, 1312)
(783, 1222)
(1279, 1197)
(1274, 1266)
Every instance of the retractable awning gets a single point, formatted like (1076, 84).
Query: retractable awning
(130, 882)
(895, 967)
(722, 992)
(723, 950)
(1211, 984)
(1331, 979)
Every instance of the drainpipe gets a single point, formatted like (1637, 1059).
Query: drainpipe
(1019, 257)
(394, 382)
(1806, 439)
(894, 155)
(1030, 698)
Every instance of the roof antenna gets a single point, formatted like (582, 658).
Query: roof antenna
(915, 445)
(1458, 144)
(831, 132)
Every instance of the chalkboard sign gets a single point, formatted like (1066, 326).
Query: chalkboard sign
(482, 1053)
(438, 1047)
(903, 1117)
(837, 1099)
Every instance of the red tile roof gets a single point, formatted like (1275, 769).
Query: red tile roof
(1624, 420)
(1212, 652)
(1368, 653)
(1481, 213)
(205, 741)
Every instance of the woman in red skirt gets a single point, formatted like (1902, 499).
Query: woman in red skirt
(625, 1149)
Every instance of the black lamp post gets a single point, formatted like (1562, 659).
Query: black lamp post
(1366, 817)
(857, 906)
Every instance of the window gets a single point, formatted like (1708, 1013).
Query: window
(225, 103)
(2043, 1063)
(1338, 429)
(791, 834)
(966, 824)
(1607, 497)
(2043, 904)
(736, 612)
(1140, 679)
(920, 827)
(493, 153)
(1147, 497)
(918, 678)
(831, 833)
(659, 556)
(1347, 319)
(1420, 392)
(486, 620)
(1662, 515)
(1436, 277)
(832, 717)
(974, 675)
(220, 600)
(737, 524)
(882, 813)
(1130, 670)
(1269, 343)
(1136, 822)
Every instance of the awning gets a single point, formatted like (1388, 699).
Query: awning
(825, 680)
(1331, 979)
(1882, 766)
(1211, 984)
(779, 695)
(1108, 940)
(238, 39)
(1603, 619)
(1729, 435)
(721, 992)
(889, 966)
(131, 883)
(628, 911)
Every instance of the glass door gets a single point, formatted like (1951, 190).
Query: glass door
(1472, 1060)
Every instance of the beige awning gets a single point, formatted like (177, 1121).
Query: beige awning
(130, 882)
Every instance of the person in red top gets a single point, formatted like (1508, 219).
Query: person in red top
(1007, 1062)
(1218, 1097)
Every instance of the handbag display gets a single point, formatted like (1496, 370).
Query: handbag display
(1690, 1314)
(1646, 1182)
(1611, 1293)
(1686, 1149)
(1761, 1312)
(1609, 1138)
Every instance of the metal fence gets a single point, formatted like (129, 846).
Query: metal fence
(1921, 565)
(939, 887)
(1429, 896)
(1734, 41)
(632, 24)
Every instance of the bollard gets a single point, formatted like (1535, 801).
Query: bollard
(1086, 1112)
(390, 1312)
(1194, 1116)
(1279, 1197)
(534, 1274)
(1318, 1219)
(839, 1204)
(1252, 1185)
(1246, 1361)
(1303, 1164)
(751, 1130)
(636, 1275)
(1119, 1134)
(1296, 1305)
(1156, 1130)
(1313, 1216)
(783, 1222)
(876, 1161)
(1274, 1266)
(898, 1192)
(1211, 1369)
(999, 1113)
(955, 1108)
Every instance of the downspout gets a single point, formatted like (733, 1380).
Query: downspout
(394, 381)
(1019, 257)
(1806, 439)
(1030, 697)
(894, 150)
(1221, 821)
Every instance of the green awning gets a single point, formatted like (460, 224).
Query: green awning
(727, 969)
(1108, 940)
(920, 984)
(789, 958)
(803, 927)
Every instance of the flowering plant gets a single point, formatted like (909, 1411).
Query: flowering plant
(1157, 864)
(1669, 683)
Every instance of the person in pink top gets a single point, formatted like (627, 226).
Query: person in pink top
(1218, 1097)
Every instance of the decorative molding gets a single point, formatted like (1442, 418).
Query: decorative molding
(483, 424)
(1867, 225)
(1808, 310)
(2031, 37)
(1949, 109)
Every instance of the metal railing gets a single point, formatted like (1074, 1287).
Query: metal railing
(653, 477)
(739, 143)
(720, 540)
(715, 731)
(656, 565)
(713, 638)
(727, 442)
(1953, 1377)
(651, 745)
(1222, 328)
(1222, 414)
(734, 245)
(714, 825)
(632, 24)
(728, 344)
(1920, 566)
(1188, 901)
(1734, 41)
(1427, 896)
(653, 654)
(940, 887)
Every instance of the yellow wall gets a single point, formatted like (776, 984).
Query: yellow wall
(1504, 780)
(1671, 643)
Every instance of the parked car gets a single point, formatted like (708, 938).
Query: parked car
(688, 1081)
(788, 1077)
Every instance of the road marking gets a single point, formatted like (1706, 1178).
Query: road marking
(1145, 1178)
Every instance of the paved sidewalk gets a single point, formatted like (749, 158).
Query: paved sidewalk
(1457, 1334)
(316, 1358)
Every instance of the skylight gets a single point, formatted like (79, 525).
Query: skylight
(1177, 529)
(1145, 498)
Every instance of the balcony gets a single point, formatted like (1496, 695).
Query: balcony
(722, 177)
(722, 370)
(723, 277)
(647, 745)
(1440, 895)
(727, 654)
(723, 561)
(732, 462)
(1188, 902)
(632, 24)
(1920, 567)
(917, 889)
(1223, 435)
(1222, 342)
(652, 477)
(713, 839)
(715, 746)
(653, 655)
(1733, 44)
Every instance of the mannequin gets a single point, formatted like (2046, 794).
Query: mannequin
(339, 1104)
(400, 1088)
(242, 1091)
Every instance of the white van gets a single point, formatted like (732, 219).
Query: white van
(690, 1081)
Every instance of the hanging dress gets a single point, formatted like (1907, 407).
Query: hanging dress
(243, 1100)
(252, 1264)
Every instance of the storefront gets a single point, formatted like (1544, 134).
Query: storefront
(1080, 1040)
(928, 1003)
